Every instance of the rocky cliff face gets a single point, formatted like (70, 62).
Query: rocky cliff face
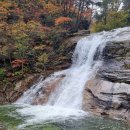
(108, 93)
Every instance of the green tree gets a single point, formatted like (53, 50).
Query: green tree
(106, 7)
(114, 20)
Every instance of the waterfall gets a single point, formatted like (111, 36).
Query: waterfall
(69, 92)
(66, 100)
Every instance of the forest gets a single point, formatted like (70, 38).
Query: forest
(31, 31)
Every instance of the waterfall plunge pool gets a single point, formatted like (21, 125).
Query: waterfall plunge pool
(15, 117)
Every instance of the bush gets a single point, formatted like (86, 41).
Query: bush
(114, 20)
(47, 20)
(12, 18)
(2, 73)
(17, 73)
(98, 27)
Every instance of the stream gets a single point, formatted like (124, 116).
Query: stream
(12, 120)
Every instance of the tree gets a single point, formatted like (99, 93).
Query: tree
(106, 7)
(81, 7)
(111, 15)
(126, 4)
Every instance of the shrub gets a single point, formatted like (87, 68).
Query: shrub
(47, 20)
(2, 73)
(17, 73)
(114, 20)
(43, 58)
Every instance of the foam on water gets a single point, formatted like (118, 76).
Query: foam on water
(48, 114)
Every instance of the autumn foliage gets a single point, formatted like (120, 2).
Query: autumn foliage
(19, 62)
(62, 20)
(4, 8)
(32, 30)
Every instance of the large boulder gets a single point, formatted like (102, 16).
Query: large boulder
(108, 93)
(46, 90)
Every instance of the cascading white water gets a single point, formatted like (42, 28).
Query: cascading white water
(66, 100)
(69, 92)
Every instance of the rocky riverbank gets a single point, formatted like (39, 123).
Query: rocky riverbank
(108, 93)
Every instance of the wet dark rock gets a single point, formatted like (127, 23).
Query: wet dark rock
(116, 67)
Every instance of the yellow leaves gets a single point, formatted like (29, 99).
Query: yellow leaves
(52, 9)
(4, 7)
(26, 32)
(43, 58)
(3, 10)
(41, 47)
(4, 50)
(22, 28)
(5, 4)
(18, 29)
(62, 20)
(2, 25)
(8, 8)
(32, 25)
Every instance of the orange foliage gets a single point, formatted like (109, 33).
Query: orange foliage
(5, 4)
(19, 62)
(62, 20)
(7, 8)
(4, 7)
